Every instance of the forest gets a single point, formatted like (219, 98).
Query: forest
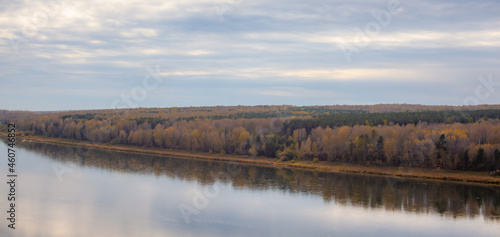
(444, 137)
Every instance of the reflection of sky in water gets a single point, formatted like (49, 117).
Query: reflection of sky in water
(91, 201)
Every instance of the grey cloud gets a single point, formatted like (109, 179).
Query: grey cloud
(88, 44)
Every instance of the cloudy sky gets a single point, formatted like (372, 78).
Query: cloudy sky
(60, 55)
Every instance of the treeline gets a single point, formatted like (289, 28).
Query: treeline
(237, 112)
(403, 118)
(461, 140)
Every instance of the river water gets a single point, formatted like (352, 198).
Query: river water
(74, 191)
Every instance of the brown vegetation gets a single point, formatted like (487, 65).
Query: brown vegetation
(428, 137)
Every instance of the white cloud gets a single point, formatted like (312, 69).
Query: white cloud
(277, 93)
(297, 92)
(354, 74)
(139, 32)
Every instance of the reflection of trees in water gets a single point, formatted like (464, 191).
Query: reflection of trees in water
(420, 196)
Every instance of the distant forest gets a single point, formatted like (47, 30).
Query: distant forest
(448, 137)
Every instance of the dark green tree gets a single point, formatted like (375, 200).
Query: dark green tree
(479, 161)
(496, 154)
(441, 149)
(380, 149)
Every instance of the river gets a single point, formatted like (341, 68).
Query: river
(74, 191)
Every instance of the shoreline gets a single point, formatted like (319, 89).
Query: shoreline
(322, 166)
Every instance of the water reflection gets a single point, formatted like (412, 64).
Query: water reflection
(452, 200)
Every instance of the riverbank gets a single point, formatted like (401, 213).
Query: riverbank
(404, 172)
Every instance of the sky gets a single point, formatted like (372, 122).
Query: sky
(72, 55)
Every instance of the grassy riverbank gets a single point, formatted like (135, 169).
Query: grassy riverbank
(405, 172)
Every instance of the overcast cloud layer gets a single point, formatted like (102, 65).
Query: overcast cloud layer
(59, 55)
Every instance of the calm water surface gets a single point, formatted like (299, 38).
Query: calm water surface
(68, 191)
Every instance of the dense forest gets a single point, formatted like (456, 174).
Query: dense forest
(448, 137)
